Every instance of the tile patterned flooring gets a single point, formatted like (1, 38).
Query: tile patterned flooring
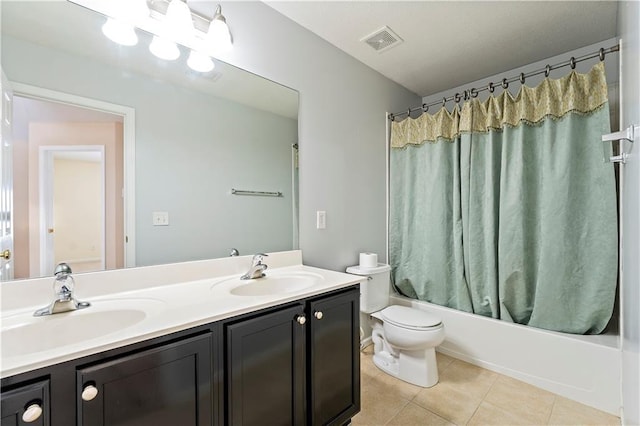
(465, 395)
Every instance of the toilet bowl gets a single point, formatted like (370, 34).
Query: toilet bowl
(404, 338)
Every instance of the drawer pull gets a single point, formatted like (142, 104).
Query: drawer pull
(32, 413)
(89, 392)
(318, 314)
(301, 319)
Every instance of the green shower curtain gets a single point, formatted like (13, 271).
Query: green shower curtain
(509, 210)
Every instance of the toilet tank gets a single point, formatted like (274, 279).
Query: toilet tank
(374, 293)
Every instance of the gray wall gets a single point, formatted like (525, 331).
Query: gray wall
(628, 19)
(341, 129)
(191, 149)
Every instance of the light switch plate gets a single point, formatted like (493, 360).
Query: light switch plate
(321, 219)
(160, 218)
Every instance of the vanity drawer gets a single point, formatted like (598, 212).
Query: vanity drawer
(26, 405)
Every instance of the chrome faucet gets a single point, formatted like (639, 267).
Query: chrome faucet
(257, 267)
(64, 301)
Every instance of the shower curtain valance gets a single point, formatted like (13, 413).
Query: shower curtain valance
(426, 128)
(576, 93)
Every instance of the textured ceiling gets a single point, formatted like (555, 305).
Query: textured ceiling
(449, 43)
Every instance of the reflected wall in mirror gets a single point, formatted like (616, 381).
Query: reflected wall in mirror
(196, 136)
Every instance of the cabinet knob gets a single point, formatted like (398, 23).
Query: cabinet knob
(32, 413)
(318, 314)
(89, 392)
(301, 319)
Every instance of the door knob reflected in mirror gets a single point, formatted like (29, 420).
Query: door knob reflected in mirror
(6, 255)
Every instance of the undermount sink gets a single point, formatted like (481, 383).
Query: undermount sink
(277, 283)
(23, 334)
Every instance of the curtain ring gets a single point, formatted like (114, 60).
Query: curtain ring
(444, 101)
(425, 107)
(409, 113)
(456, 97)
(547, 70)
(474, 93)
(572, 62)
(601, 54)
(491, 88)
(522, 78)
(505, 85)
(392, 117)
(466, 95)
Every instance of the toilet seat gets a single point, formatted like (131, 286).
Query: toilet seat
(410, 318)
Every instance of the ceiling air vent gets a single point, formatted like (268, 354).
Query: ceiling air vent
(382, 39)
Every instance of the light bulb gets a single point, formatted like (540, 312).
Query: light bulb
(164, 49)
(120, 32)
(178, 19)
(200, 62)
(138, 9)
(219, 36)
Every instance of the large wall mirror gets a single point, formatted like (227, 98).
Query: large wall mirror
(121, 159)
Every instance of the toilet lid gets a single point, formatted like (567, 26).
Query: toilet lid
(405, 316)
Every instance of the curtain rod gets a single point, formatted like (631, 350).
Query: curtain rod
(504, 83)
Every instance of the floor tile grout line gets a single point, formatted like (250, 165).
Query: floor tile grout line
(398, 412)
(553, 406)
(482, 399)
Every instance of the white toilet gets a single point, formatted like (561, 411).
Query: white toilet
(404, 338)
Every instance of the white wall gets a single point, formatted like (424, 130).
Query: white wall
(628, 21)
(341, 128)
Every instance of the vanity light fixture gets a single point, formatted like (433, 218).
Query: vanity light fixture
(219, 35)
(120, 28)
(171, 22)
(178, 19)
(120, 32)
(164, 49)
(200, 62)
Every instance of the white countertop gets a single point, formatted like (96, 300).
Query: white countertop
(160, 306)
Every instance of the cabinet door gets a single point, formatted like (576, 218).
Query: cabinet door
(167, 385)
(334, 358)
(26, 405)
(266, 369)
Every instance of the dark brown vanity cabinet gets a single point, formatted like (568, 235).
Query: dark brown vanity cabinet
(26, 405)
(295, 366)
(334, 358)
(167, 385)
(265, 365)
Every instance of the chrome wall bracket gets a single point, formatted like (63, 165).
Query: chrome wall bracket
(624, 135)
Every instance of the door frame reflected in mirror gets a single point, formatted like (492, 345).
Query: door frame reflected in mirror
(128, 139)
(66, 214)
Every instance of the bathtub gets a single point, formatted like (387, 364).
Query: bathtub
(582, 368)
